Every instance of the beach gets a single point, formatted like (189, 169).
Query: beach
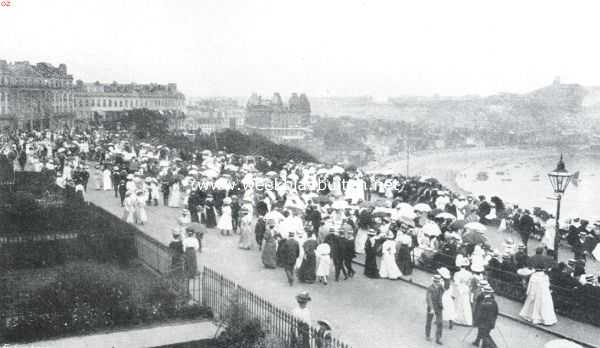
(517, 175)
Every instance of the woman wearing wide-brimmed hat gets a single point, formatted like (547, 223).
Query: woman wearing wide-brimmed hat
(301, 331)
(225, 224)
(245, 229)
(371, 245)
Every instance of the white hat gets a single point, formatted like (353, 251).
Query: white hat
(444, 272)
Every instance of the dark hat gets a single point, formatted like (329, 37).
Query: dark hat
(488, 289)
(303, 297)
(324, 323)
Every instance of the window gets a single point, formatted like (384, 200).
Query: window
(93, 102)
(120, 103)
(87, 102)
(110, 103)
(104, 102)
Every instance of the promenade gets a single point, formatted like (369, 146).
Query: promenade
(364, 312)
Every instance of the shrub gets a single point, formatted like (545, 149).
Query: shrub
(240, 331)
(90, 297)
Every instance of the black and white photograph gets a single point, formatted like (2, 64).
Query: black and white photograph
(299, 174)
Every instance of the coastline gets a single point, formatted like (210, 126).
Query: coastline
(445, 165)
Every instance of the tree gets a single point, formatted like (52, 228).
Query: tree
(146, 123)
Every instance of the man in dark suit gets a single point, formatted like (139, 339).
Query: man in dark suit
(485, 315)
(289, 252)
(539, 260)
(526, 227)
(259, 231)
(434, 307)
(484, 209)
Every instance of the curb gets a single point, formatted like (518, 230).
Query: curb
(508, 316)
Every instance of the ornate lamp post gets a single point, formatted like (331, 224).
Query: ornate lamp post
(559, 179)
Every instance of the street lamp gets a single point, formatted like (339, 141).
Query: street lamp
(559, 179)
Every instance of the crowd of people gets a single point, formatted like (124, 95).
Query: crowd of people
(312, 219)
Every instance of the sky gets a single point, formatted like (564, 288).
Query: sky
(317, 47)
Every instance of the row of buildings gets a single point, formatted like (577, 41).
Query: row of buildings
(37, 96)
(40, 96)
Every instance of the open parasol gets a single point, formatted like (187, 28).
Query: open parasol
(339, 205)
(422, 207)
(446, 215)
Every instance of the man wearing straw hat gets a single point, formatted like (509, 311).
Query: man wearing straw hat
(434, 307)
(486, 313)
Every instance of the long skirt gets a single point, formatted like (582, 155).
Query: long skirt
(371, 270)
(462, 306)
(360, 240)
(307, 271)
(190, 262)
(269, 254)
(324, 265)
(403, 260)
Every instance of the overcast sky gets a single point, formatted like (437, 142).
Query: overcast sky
(320, 47)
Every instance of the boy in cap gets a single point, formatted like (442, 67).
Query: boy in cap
(434, 307)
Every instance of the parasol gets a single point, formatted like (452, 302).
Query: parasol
(274, 215)
(446, 216)
(339, 205)
(211, 173)
(431, 229)
(476, 226)
(409, 214)
(404, 206)
(422, 207)
(336, 170)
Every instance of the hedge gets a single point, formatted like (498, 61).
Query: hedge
(92, 297)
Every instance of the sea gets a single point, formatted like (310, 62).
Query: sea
(523, 180)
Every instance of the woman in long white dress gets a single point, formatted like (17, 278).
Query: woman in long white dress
(175, 195)
(389, 268)
(539, 306)
(448, 312)
(129, 204)
(140, 208)
(323, 252)
(106, 180)
(462, 302)
(225, 224)
(360, 240)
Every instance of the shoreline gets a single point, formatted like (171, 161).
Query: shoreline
(446, 165)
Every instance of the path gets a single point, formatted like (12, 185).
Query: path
(364, 312)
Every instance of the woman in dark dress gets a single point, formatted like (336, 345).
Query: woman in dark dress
(308, 268)
(371, 270)
(403, 258)
(210, 213)
(269, 250)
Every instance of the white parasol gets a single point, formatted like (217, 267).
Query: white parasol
(211, 173)
(431, 229)
(339, 205)
(446, 215)
(422, 207)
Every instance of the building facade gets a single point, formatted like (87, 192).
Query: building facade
(277, 121)
(101, 102)
(35, 96)
(213, 115)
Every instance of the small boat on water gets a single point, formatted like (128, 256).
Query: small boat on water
(482, 176)
(499, 172)
(506, 179)
(575, 179)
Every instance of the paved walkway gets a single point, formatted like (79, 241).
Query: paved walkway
(364, 312)
(142, 338)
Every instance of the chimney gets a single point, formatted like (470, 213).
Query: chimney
(63, 68)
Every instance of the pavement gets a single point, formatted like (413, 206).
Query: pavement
(148, 337)
(364, 312)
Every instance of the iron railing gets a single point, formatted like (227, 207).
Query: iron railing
(219, 293)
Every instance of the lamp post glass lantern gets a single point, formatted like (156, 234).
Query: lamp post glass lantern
(559, 179)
